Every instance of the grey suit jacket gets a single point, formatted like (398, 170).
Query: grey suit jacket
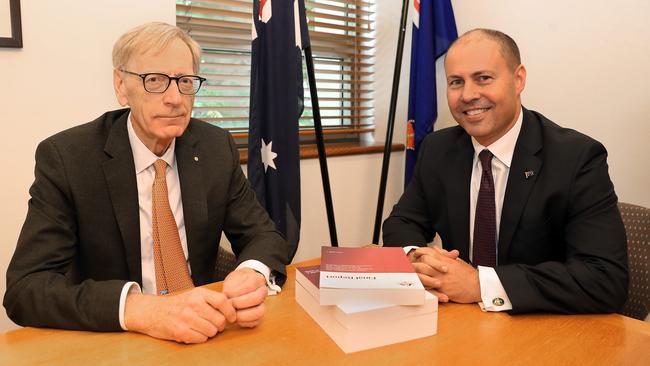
(81, 239)
(562, 245)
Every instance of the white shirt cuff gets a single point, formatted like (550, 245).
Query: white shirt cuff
(408, 249)
(129, 288)
(493, 295)
(265, 271)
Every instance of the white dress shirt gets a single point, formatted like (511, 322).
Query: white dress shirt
(493, 295)
(145, 174)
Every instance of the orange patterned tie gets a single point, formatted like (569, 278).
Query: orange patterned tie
(172, 273)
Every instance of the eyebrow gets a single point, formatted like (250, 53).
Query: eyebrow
(474, 74)
(477, 73)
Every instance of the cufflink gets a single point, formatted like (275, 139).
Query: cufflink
(497, 301)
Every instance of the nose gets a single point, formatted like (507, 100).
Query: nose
(172, 95)
(470, 92)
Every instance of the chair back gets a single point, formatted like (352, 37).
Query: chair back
(637, 227)
(226, 263)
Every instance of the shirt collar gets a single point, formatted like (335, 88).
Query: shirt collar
(142, 156)
(503, 148)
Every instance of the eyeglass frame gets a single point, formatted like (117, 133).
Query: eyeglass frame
(170, 78)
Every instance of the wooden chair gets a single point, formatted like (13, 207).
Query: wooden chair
(637, 227)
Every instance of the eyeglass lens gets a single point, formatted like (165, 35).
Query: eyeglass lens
(158, 83)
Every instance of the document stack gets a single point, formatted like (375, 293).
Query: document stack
(360, 313)
(370, 274)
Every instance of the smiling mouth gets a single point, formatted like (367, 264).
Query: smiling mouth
(474, 112)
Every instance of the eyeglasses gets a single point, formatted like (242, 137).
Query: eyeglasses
(154, 82)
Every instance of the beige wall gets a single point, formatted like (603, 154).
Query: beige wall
(571, 50)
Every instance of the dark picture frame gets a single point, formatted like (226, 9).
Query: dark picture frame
(16, 39)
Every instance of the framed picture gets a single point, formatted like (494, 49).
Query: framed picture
(11, 33)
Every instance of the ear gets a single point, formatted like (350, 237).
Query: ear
(520, 79)
(120, 88)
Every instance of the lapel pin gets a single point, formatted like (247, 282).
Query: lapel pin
(529, 173)
(196, 158)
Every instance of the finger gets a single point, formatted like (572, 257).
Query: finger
(220, 302)
(429, 282)
(250, 299)
(242, 281)
(251, 315)
(423, 251)
(441, 296)
(199, 324)
(423, 268)
(215, 317)
(235, 284)
(189, 335)
(453, 254)
(249, 324)
(183, 329)
(435, 262)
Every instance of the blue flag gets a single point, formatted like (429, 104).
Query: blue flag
(434, 29)
(279, 34)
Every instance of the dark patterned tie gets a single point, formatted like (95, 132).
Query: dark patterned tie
(484, 251)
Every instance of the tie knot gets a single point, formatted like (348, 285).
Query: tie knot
(486, 159)
(160, 166)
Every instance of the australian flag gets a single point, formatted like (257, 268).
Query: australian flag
(434, 29)
(279, 35)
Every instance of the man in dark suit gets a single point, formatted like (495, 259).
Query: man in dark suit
(528, 203)
(133, 204)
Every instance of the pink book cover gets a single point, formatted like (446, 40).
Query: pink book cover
(312, 273)
(365, 260)
(371, 269)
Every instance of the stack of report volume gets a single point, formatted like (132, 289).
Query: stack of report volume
(363, 305)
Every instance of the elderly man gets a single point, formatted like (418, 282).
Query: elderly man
(131, 206)
(528, 203)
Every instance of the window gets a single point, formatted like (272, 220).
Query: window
(342, 39)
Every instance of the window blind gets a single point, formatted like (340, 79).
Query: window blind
(342, 40)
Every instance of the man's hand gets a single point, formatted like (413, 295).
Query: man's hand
(190, 317)
(451, 278)
(246, 288)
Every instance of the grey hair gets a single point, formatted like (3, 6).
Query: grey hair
(153, 35)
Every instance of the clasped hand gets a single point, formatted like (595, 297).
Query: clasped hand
(199, 314)
(446, 275)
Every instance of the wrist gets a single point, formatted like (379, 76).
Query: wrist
(134, 317)
(411, 256)
(476, 287)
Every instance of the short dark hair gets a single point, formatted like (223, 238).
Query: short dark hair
(508, 46)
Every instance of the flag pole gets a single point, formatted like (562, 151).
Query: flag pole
(391, 123)
(322, 159)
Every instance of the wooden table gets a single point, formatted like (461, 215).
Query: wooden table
(288, 336)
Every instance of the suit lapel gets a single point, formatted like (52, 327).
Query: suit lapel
(519, 186)
(195, 205)
(458, 204)
(119, 172)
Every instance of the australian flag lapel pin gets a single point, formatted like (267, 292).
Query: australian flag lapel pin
(528, 173)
